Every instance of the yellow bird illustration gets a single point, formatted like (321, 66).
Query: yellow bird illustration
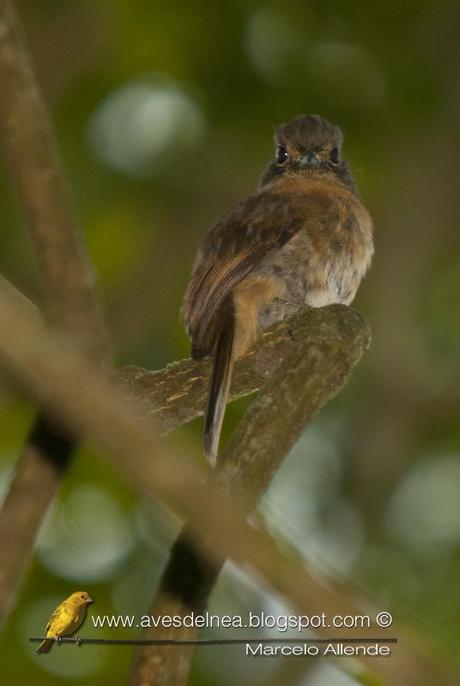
(66, 619)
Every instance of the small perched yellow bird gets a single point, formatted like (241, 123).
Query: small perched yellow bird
(66, 619)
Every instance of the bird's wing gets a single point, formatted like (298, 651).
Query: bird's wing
(233, 247)
(57, 622)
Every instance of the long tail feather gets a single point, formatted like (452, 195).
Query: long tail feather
(219, 389)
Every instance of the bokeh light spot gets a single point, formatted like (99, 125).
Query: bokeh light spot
(272, 44)
(143, 123)
(347, 74)
(423, 512)
(87, 537)
(305, 507)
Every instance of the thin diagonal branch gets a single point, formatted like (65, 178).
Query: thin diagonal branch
(68, 285)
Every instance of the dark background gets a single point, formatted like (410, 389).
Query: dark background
(165, 114)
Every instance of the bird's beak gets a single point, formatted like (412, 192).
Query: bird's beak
(89, 600)
(309, 159)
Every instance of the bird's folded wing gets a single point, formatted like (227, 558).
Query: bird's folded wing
(53, 618)
(234, 246)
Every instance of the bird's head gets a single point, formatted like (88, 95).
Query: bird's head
(308, 145)
(80, 598)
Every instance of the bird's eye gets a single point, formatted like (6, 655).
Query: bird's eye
(335, 155)
(281, 154)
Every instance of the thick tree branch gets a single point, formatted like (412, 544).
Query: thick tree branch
(70, 299)
(315, 353)
(177, 394)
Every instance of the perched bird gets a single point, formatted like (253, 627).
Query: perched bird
(302, 239)
(66, 619)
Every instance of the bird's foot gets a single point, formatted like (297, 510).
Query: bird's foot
(58, 640)
(78, 640)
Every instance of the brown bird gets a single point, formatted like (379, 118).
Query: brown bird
(302, 239)
(66, 619)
